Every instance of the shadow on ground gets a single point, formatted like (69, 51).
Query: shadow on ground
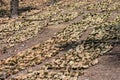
(6, 13)
(108, 67)
(3, 13)
(114, 57)
(25, 9)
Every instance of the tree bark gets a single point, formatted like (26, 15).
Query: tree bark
(14, 5)
(1, 2)
(53, 1)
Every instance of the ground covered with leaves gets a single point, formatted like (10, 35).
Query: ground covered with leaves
(100, 16)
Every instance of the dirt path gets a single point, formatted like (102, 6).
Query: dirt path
(47, 33)
(61, 53)
(44, 35)
(108, 67)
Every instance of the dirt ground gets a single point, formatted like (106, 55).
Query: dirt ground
(41, 37)
(108, 67)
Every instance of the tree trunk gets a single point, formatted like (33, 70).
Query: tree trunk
(53, 1)
(14, 4)
(1, 2)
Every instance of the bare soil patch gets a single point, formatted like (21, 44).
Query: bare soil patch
(44, 35)
(108, 67)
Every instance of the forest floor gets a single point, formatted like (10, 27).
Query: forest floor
(106, 68)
